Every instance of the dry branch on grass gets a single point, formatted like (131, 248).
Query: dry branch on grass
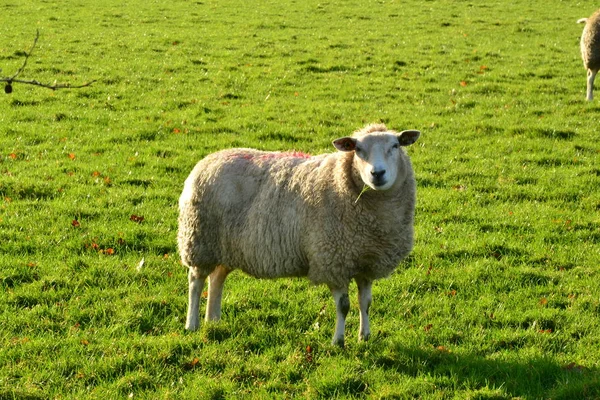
(13, 79)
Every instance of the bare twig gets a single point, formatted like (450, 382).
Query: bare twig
(53, 86)
(37, 36)
(9, 80)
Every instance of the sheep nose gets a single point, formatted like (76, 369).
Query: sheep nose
(378, 174)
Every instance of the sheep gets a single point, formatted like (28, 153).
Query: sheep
(333, 218)
(590, 50)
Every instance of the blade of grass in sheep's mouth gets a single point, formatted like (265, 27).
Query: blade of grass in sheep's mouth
(364, 189)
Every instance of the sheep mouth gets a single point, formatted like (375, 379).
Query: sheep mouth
(379, 183)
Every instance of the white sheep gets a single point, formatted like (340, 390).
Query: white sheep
(590, 49)
(274, 214)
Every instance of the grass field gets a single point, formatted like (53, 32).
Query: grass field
(500, 298)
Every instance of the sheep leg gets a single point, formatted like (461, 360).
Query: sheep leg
(342, 305)
(196, 284)
(216, 281)
(364, 302)
(591, 75)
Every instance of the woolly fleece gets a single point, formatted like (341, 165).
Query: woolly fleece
(276, 214)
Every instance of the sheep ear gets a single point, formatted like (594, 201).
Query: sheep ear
(345, 144)
(406, 138)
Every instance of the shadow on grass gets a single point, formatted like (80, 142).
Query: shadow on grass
(536, 377)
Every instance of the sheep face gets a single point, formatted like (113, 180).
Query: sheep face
(377, 156)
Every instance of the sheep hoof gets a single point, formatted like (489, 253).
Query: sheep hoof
(338, 342)
(191, 327)
(364, 337)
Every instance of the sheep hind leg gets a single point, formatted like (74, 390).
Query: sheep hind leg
(216, 280)
(196, 284)
(342, 305)
(364, 303)
(591, 76)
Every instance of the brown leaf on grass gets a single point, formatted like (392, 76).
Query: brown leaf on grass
(427, 327)
(192, 364)
(443, 349)
(543, 301)
(13, 156)
(17, 340)
(309, 355)
(463, 83)
(136, 218)
(72, 156)
(85, 342)
(75, 223)
(574, 367)
(109, 251)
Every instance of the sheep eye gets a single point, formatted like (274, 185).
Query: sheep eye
(395, 146)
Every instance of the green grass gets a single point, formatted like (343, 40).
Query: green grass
(500, 298)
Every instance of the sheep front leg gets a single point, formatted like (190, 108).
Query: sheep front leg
(196, 284)
(215, 293)
(591, 76)
(364, 302)
(342, 306)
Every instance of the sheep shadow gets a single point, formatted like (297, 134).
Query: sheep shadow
(538, 377)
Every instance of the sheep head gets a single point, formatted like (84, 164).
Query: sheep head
(377, 154)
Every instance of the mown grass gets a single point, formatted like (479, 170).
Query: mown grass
(500, 298)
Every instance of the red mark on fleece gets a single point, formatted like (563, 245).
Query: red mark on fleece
(271, 155)
(287, 154)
